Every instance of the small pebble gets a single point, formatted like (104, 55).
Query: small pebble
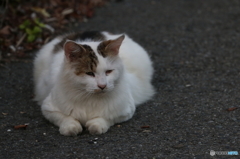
(118, 126)
(179, 146)
(95, 139)
(9, 130)
(146, 131)
(234, 119)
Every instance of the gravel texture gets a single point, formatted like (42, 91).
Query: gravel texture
(196, 53)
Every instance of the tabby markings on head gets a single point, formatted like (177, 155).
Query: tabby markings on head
(101, 48)
(82, 36)
(87, 62)
(80, 57)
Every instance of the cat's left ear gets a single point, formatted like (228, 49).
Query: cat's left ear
(110, 47)
(113, 46)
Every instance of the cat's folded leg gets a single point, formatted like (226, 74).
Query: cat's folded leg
(97, 126)
(68, 126)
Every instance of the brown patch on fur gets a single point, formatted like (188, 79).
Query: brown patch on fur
(87, 62)
(101, 48)
(92, 35)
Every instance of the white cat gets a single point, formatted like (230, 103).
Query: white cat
(91, 79)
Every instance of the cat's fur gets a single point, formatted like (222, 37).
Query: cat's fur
(91, 79)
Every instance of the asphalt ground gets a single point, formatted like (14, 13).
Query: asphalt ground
(195, 47)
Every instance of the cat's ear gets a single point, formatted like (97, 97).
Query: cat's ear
(110, 47)
(113, 46)
(73, 51)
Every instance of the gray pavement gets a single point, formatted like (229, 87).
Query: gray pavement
(196, 52)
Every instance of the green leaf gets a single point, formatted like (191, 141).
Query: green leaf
(39, 23)
(29, 31)
(31, 38)
(25, 24)
(22, 26)
(36, 30)
(36, 20)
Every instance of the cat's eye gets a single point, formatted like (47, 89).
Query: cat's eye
(90, 74)
(108, 72)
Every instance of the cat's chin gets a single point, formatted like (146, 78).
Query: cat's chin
(99, 91)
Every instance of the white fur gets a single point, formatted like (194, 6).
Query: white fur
(69, 101)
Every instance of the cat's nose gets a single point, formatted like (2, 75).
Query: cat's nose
(102, 86)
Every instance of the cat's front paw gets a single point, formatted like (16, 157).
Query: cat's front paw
(97, 126)
(70, 127)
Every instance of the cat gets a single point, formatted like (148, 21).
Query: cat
(91, 79)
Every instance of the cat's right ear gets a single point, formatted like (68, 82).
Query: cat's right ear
(73, 51)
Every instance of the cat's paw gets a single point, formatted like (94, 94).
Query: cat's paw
(70, 127)
(97, 126)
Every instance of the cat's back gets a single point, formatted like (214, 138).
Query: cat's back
(42, 72)
(44, 58)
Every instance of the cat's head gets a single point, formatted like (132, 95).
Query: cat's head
(95, 67)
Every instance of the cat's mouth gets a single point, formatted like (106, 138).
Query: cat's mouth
(98, 91)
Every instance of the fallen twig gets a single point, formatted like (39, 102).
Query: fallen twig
(232, 109)
(21, 39)
(21, 126)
